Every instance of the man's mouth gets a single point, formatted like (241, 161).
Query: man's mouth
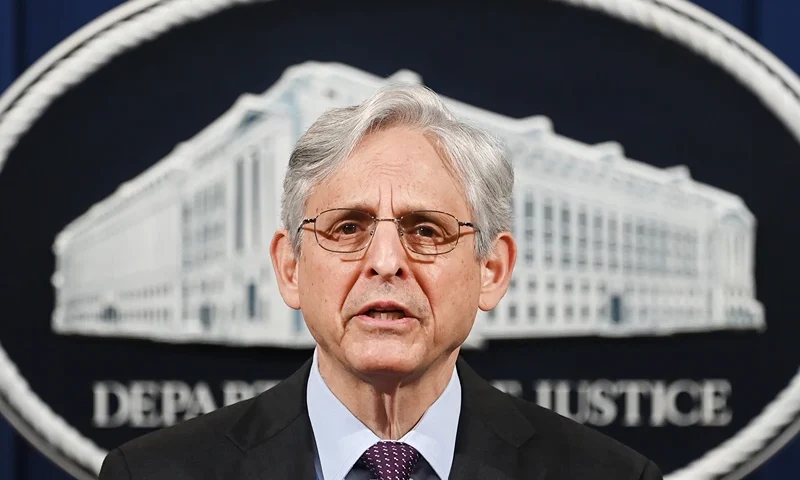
(385, 314)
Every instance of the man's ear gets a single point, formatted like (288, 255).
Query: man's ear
(496, 271)
(284, 263)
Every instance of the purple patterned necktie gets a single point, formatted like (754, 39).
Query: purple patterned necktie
(390, 460)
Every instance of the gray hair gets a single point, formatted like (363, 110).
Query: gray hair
(479, 160)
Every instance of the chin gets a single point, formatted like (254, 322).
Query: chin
(388, 356)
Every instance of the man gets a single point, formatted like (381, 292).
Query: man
(396, 230)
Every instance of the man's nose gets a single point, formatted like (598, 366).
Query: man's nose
(386, 256)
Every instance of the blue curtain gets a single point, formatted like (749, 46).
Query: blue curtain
(29, 28)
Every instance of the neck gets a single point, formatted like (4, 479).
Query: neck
(390, 406)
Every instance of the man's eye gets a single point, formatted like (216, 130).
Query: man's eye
(348, 229)
(424, 231)
(428, 230)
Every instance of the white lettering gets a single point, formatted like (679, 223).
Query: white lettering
(202, 401)
(680, 403)
(600, 396)
(152, 404)
(715, 403)
(544, 394)
(103, 392)
(658, 405)
(176, 398)
(631, 403)
(563, 401)
(674, 415)
(633, 391)
(236, 391)
(143, 405)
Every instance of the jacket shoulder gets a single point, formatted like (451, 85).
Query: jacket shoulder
(189, 449)
(196, 449)
(580, 451)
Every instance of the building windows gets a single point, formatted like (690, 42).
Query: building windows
(616, 309)
(110, 314)
(548, 233)
(597, 236)
(641, 247)
(529, 227)
(256, 207)
(239, 208)
(627, 246)
(652, 247)
(582, 238)
(566, 233)
(693, 254)
(662, 250)
(677, 251)
(252, 301)
(613, 260)
(529, 205)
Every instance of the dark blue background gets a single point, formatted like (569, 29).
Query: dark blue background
(29, 28)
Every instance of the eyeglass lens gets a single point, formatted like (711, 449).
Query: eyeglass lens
(424, 232)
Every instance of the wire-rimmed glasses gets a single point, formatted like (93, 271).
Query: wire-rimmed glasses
(348, 230)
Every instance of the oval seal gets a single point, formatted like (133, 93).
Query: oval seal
(654, 147)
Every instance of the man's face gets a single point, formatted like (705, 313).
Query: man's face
(391, 173)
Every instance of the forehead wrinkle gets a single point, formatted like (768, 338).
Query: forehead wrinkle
(407, 172)
(403, 166)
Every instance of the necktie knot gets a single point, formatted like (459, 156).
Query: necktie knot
(388, 460)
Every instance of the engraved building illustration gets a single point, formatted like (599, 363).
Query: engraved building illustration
(607, 245)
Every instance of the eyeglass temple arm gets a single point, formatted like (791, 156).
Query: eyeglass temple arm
(306, 221)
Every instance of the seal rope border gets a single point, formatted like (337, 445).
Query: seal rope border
(67, 64)
(777, 87)
(138, 21)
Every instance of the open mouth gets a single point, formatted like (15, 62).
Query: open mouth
(385, 314)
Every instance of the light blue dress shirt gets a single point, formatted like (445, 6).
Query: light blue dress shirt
(341, 438)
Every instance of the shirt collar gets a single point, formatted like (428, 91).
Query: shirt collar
(341, 438)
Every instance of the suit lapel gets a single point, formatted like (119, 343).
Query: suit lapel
(277, 441)
(491, 432)
(275, 435)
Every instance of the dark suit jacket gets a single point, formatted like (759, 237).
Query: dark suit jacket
(269, 437)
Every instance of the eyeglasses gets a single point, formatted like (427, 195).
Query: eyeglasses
(347, 230)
